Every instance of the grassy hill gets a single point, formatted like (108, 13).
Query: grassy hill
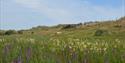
(91, 42)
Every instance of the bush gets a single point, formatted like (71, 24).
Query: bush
(99, 32)
(32, 32)
(9, 32)
(118, 26)
(20, 32)
(67, 26)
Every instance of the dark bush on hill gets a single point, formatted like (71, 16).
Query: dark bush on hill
(68, 26)
(20, 32)
(100, 32)
(10, 32)
(117, 26)
(71, 26)
(32, 32)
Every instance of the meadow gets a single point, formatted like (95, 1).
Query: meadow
(79, 45)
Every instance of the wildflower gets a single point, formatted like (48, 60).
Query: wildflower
(115, 46)
(117, 40)
(0, 40)
(77, 40)
(28, 54)
(91, 48)
(7, 48)
(105, 49)
(106, 60)
(88, 43)
(18, 59)
(32, 40)
(84, 45)
(74, 55)
(70, 47)
(123, 56)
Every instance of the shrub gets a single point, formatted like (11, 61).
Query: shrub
(32, 32)
(99, 32)
(20, 32)
(118, 26)
(79, 24)
(9, 32)
(67, 26)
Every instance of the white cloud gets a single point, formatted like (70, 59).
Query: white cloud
(56, 14)
(29, 3)
(65, 15)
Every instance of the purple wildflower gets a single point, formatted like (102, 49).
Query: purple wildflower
(74, 56)
(7, 49)
(18, 59)
(28, 54)
(123, 56)
(86, 57)
(106, 60)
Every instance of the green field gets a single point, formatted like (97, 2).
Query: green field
(72, 45)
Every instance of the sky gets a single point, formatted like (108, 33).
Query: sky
(24, 14)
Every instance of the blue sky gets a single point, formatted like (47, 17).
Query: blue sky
(23, 14)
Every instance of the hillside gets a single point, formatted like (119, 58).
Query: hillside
(91, 42)
(112, 26)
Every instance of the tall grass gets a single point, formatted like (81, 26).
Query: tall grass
(61, 50)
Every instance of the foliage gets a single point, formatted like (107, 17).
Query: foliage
(10, 32)
(76, 46)
(68, 26)
(117, 26)
(52, 50)
(2, 32)
(20, 32)
(100, 32)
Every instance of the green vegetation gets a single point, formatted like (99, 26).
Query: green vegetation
(101, 32)
(2, 32)
(100, 42)
(9, 32)
(20, 32)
